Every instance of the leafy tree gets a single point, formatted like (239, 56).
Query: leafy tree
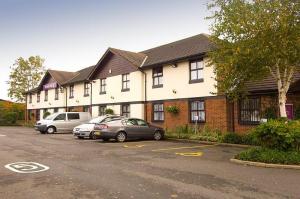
(25, 74)
(255, 39)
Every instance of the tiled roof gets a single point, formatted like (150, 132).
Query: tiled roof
(135, 58)
(178, 50)
(81, 75)
(61, 76)
(268, 84)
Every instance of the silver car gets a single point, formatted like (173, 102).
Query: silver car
(129, 128)
(87, 129)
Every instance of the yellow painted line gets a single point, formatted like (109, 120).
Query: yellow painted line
(134, 146)
(191, 154)
(188, 147)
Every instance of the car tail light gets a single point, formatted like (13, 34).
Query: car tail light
(100, 126)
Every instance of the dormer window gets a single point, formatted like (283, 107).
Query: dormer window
(196, 71)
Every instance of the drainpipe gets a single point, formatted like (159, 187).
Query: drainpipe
(91, 98)
(66, 99)
(145, 89)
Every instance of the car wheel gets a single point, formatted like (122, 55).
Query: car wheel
(50, 130)
(121, 137)
(158, 135)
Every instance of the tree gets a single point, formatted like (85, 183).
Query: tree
(25, 75)
(255, 39)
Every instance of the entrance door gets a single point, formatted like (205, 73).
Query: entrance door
(289, 111)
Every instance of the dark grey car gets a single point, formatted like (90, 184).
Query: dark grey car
(129, 128)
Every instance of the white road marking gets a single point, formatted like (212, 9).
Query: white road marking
(1, 135)
(26, 167)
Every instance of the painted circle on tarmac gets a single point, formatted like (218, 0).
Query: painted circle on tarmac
(26, 167)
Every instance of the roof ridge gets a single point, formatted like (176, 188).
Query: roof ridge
(177, 41)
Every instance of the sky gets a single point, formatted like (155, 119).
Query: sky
(74, 34)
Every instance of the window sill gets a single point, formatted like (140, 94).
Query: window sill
(102, 93)
(71, 97)
(196, 81)
(125, 90)
(158, 121)
(86, 95)
(158, 86)
(249, 123)
(198, 122)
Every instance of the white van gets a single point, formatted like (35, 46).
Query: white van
(62, 122)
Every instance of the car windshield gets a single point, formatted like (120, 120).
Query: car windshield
(96, 120)
(51, 117)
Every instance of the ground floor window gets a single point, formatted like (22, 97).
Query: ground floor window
(38, 114)
(55, 110)
(158, 112)
(249, 110)
(101, 110)
(71, 109)
(86, 109)
(125, 110)
(197, 111)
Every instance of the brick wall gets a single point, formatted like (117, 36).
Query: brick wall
(216, 114)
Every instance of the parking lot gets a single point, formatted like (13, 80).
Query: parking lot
(136, 169)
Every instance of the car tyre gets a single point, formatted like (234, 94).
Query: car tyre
(121, 136)
(158, 135)
(91, 136)
(51, 130)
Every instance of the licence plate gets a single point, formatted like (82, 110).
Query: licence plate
(97, 133)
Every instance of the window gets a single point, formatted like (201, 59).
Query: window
(157, 76)
(196, 71)
(71, 109)
(30, 98)
(38, 97)
(55, 110)
(141, 122)
(86, 89)
(46, 96)
(197, 111)
(61, 116)
(73, 116)
(71, 91)
(86, 109)
(158, 112)
(103, 86)
(56, 93)
(125, 82)
(125, 110)
(101, 110)
(38, 114)
(250, 111)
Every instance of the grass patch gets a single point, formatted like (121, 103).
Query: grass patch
(266, 155)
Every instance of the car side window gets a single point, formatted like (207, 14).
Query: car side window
(73, 116)
(61, 117)
(141, 123)
(131, 122)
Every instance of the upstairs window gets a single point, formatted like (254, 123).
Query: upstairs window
(30, 98)
(196, 71)
(125, 82)
(197, 111)
(157, 76)
(38, 97)
(46, 96)
(86, 89)
(56, 93)
(158, 112)
(250, 111)
(125, 110)
(103, 86)
(71, 91)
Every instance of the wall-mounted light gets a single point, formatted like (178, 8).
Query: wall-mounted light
(112, 97)
(77, 101)
(49, 104)
(174, 91)
(174, 65)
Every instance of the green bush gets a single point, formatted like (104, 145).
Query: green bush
(297, 113)
(109, 111)
(266, 155)
(232, 138)
(10, 118)
(270, 113)
(46, 114)
(279, 134)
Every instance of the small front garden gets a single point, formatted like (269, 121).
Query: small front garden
(276, 142)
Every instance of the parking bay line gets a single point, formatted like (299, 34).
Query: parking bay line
(188, 147)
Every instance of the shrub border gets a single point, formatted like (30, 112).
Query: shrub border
(265, 165)
(208, 142)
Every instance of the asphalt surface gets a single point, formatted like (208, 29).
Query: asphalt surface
(136, 169)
